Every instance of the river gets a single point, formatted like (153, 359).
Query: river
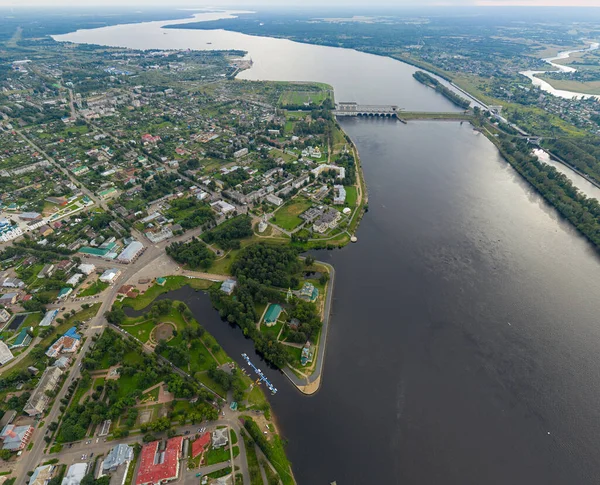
(464, 340)
(546, 86)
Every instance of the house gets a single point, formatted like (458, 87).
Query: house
(39, 399)
(156, 466)
(220, 437)
(46, 271)
(75, 474)
(23, 339)
(46, 230)
(8, 418)
(9, 298)
(117, 456)
(133, 250)
(309, 292)
(64, 293)
(228, 286)
(15, 438)
(86, 269)
(48, 318)
(272, 314)
(273, 199)
(307, 354)
(200, 445)
(5, 353)
(13, 283)
(4, 315)
(110, 276)
(42, 475)
(339, 194)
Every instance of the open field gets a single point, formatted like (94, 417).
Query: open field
(591, 87)
(286, 216)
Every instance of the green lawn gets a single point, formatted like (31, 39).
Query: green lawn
(286, 216)
(218, 455)
(140, 331)
(95, 288)
(351, 196)
(297, 98)
(273, 331)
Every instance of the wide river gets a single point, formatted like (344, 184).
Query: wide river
(464, 345)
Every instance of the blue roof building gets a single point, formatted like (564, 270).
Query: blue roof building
(72, 332)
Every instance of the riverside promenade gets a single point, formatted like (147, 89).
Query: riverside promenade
(311, 383)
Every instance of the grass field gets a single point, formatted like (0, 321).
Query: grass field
(141, 330)
(592, 87)
(217, 455)
(297, 98)
(286, 216)
(95, 288)
(351, 196)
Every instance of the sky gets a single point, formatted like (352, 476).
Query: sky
(280, 3)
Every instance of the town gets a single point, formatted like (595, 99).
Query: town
(125, 175)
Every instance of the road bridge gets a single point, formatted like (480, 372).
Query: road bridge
(355, 109)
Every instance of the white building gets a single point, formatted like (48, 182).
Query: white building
(73, 280)
(223, 207)
(240, 153)
(75, 474)
(110, 275)
(5, 353)
(326, 167)
(273, 199)
(4, 316)
(339, 196)
(131, 252)
(86, 269)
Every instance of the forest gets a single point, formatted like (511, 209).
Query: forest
(581, 153)
(193, 254)
(227, 235)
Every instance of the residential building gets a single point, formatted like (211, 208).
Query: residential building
(46, 230)
(86, 269)
(110, 275)
(273, 199)
(228, 286)
(39, 399)
(9, 298)
(341, 171)
(240, 153)
(339, 194)
(4, 315)
(13, 283)
(5, 353)
(156, 466)
(220, 437)
(300, 181)
(46, 271)
(15, 438)
(131, 252)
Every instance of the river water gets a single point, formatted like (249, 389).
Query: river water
(546, 86)
(463, 346)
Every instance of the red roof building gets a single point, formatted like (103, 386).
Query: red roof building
(200, 445)
(158, 467)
